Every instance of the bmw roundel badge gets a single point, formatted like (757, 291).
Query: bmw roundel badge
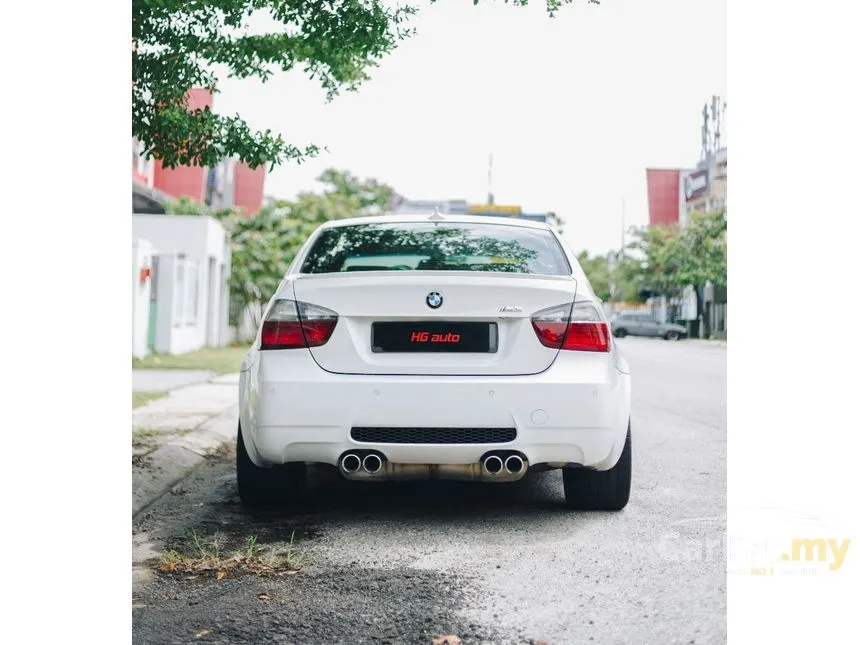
(434, 300)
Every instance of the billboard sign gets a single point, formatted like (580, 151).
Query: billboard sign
(494, 209)
(696, 185)
(449, 206)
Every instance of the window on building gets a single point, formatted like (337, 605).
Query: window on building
(179, 292)
(186, 292)
(211, 184)
(192, 280)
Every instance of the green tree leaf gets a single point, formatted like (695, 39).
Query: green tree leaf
(178, 45)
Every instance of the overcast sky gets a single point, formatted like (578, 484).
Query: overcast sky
(573, 108)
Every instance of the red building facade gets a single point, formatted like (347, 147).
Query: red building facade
(248, 186)
(230, 184)
(663, 196)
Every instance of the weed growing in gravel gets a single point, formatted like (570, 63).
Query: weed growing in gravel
(208, 557)
(225, 451)
(145, 437)
(142, 437)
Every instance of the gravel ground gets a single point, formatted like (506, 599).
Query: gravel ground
(404, 563)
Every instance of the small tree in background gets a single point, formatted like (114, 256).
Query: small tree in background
(702, 257)
(658, 248)
(626, 277)
(187, 206)
(674, 258)
(596, 268)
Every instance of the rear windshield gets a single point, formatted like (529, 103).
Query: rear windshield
(420, 246)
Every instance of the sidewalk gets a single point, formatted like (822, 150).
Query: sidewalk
(707, 342)
(147, 380)
(173, 435)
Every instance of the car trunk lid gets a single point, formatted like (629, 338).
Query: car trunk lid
(434, 322)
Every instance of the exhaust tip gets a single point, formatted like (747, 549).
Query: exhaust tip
(372, 464)
(493, 464)
(514, 464)
(350, 463)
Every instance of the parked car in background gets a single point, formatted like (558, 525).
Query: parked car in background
(644, 325)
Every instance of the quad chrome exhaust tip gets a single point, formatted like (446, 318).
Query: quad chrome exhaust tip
(372, 464)
(493, 464)
(514, 465)
(350, 463)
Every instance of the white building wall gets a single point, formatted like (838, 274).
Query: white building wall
(224, 303)
(189, 247)
(166, 277)
(141, 258)
(690, 304)
(682, 199)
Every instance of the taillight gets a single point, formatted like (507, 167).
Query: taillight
(292, 324)
(581, 329)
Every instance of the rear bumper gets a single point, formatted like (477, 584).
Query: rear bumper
(575, 412)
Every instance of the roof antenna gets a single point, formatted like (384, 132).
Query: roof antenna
(436, 216)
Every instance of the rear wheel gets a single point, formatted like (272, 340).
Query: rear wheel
(607, 490)
(672, 335)
(260, 487)
(620, 333)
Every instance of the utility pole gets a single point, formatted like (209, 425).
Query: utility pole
(623, 231)
(615, 261)
(490, 180)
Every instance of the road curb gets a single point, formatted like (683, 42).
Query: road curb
(169, 461)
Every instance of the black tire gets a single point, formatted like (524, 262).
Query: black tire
(673, 335)
(262, 487)
(620, 333)
(607, 490)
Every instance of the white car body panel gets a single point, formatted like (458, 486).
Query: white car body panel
(568, 407)
(365, 298)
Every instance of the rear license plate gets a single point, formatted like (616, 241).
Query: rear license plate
(436, 336)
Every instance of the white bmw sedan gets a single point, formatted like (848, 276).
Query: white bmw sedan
(435, 347)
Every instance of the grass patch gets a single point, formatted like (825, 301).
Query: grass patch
(210, 558)
(226, 450)
(223, 360)
(141, 437)
(142, 398)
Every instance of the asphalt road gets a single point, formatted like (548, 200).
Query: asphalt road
(404, 563)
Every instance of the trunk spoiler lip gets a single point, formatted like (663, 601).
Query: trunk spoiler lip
(493, 275)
